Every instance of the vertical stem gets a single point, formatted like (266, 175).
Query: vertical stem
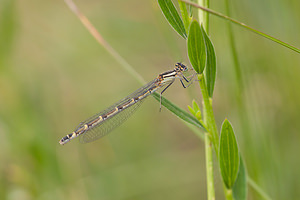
(208, 113)
(209, 168)
(209, 121)
(208, 116)
(229, 195)
(203, 16)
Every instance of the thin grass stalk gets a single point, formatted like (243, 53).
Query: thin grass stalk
(244, 25)
(89, 26)
(258, 189)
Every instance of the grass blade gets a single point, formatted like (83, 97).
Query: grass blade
(172, 16)
(228, 155)
(178, 111)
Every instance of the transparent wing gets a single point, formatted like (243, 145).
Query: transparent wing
(121, 102)
(106, 126)
(109, 124)
(114, 121)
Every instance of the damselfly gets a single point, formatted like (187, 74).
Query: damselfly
(102, 123)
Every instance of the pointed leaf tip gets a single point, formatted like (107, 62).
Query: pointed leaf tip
(172, 16)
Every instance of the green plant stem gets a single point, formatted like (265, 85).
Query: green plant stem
(209, 168)
(208, 114)
(244, 25)
(209, 122)
(203, 16)
(229, 195)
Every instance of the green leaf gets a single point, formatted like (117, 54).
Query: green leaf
(228, 154)
(191, 110)
(195, 106)
(210, 69)
(185, 15)
(178, 111)
(172, 16)
(198, 115)
(196, 111)
(240, 186)
(196, 47)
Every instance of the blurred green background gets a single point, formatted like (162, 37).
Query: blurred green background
(53, 75)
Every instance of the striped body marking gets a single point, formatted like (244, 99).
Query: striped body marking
(102, 123)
